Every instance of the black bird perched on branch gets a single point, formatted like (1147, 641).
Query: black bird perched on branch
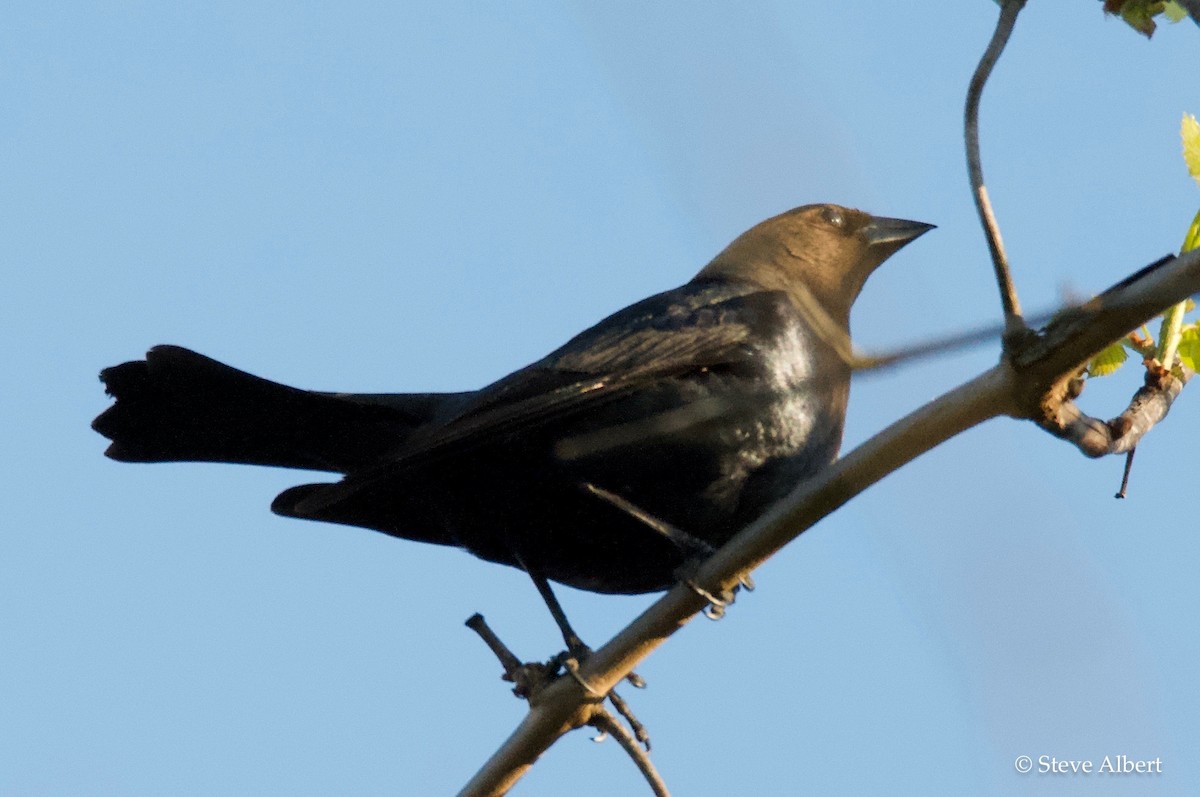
(644, 441)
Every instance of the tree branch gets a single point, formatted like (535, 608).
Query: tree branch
(1013, 322)
(1018, 386)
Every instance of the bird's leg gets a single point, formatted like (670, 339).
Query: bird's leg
(575, 645)
(577, 651)
(690, 546)
(694, 549)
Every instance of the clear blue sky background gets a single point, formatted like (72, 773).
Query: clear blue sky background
(370, 197)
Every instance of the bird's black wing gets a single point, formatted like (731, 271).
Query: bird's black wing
(697, 326)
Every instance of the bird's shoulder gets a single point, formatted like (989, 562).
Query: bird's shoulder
(702, 324)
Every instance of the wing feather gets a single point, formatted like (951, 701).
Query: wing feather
(667, 336)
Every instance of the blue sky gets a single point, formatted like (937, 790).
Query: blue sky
(377, 197)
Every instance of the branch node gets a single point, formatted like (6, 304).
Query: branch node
(1119, 426)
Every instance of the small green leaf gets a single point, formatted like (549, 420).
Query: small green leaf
(1189, 131)
(1189, 347)
(1192, 239)
(1138, 14)
(1174, 11)
(1108, 360)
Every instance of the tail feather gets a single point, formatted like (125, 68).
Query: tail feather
(177, 405)
(401, 511)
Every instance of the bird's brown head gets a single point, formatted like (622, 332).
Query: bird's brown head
(827, 250)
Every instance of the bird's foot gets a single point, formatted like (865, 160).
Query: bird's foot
(530, 678)
(718, 602)
(570, 665)
(576, 654)
(577, 649)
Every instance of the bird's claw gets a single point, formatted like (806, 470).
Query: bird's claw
(569, 660)
(715, 609)
(717, 603)
(570, 666)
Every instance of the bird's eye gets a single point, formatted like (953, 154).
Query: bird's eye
(834, 217)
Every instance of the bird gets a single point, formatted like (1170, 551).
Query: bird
(642, 443)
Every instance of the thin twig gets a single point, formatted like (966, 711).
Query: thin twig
(1125, 474)
(528, 678)
(607, 723)
(508, 659)
(1013, 323)
(836, 337)
(960, 340)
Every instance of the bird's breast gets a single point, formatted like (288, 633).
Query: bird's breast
(806, 382)
(789, 424)
(789, 357)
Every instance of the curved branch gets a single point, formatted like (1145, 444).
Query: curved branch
(1018, 387)
(1097, 438)
(1013, 322)
(607, 723)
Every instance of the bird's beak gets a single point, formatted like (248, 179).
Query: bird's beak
(891, 234)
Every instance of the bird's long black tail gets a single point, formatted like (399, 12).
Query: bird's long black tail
(177, 405)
